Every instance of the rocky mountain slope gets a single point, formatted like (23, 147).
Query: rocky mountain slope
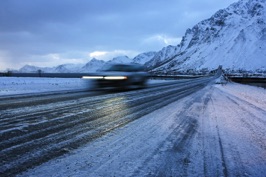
(234, 37)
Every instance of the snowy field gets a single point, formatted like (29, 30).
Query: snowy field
(25, 85)
(227, 126)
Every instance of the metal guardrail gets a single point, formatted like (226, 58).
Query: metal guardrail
(175, 77)
(248, 79)
(260, 82)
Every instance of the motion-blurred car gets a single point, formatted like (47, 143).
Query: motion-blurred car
(121, 76)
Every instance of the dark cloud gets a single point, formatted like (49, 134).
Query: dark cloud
(41, 27)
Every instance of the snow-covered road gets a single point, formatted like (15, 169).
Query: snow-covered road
(39, 127)
(217, 131)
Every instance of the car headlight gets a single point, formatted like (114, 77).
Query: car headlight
(92, 77)
(115, 77)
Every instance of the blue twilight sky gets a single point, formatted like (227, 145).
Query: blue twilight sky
(53, 32)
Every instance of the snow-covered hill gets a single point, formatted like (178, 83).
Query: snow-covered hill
(234, 37)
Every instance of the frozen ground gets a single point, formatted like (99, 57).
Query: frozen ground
(218, 131)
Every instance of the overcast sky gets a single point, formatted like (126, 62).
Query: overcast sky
(53, 32)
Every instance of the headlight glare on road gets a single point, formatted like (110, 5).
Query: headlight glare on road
(115, 77)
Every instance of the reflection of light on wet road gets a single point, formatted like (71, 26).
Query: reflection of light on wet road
(115, 105)
(111, 112)
(114, 100)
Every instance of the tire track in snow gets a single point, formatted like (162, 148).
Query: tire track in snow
(224, 164)
(240, 136)
(257, 123)
(173, 154)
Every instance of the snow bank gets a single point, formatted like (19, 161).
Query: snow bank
(221, 80)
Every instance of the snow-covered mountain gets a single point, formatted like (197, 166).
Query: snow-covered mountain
(92, 66)
(162, 57)
(34, 69)
(144, 57)
(120, 59)
(234, 37)
(28, 69)
(66, 68)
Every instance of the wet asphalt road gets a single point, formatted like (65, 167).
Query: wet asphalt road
(37, 128)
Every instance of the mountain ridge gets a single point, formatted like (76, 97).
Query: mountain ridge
(234, 37)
